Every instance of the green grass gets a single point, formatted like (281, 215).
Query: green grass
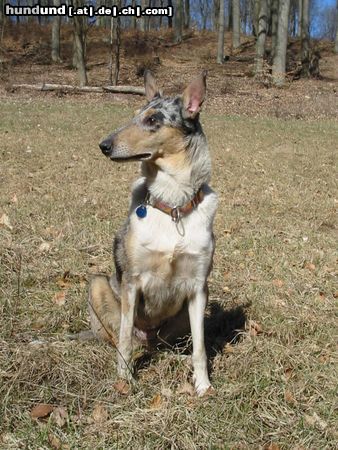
(275, 259)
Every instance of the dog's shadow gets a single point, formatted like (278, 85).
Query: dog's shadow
(222, 326)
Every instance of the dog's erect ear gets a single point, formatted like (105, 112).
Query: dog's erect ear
(150, 86)
(194, 95)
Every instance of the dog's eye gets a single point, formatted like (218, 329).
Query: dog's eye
(150, 121)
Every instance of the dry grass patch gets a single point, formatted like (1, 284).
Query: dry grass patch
(271, 331)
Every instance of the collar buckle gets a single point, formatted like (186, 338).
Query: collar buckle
(175, 214)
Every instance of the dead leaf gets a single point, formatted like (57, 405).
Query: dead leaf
(272, 446)
(166, 392)
(309, 266)
(254, 328)
(186, 388)
(54, 441)
(122, 387)
(41, 410)
(278, 283)
(229, 348)
(226, 289)
(315, 420)
(59, 298)
(14, 199)
(288, 372)
(156, 402)
(100, 413)
(289, 398)
(44, 247)
(5, 222)
(59, 416)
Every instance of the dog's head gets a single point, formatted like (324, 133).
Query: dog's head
(162, 128)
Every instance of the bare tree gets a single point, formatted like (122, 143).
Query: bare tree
(143, 24)
(305, 38)
(179, 21)
(2, 20)
(262, 30)
(79, 45)
(115, 46)
(300, 10)
(279, 61)
(336, 40)
(255, 17)
(215, 15)
(56, 56)
(133, 18)
(274, 26)
(186, 14)
(220, 46)
(236, 24)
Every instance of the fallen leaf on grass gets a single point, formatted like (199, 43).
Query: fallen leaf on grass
(272, 446)
(44, 247)
(54, 441)
(289, 398)
(288, 373)
(41, 410)
(156, 402)
(59, 298)
(64, 281)
(100, 413)
(309, 266)
(315, 420)
(278, 283)
(254, 328)
(5, 222)
(186, 388)
(59, 416)
(122, 387)
(229, 348)
(14, 199)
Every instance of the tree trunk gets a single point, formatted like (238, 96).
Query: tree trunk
(186, 14)
(336, 40)
(229, 16)
(260, 44)
(179, 21)
(79, 45)
(170, 19)
(255, 17)
(143, 24)
(2, 20)
(115, 46)
(133, 18)
(300, 10)
(279, 61)
(274, 26)
(236, 24)
(215, 15)
(305, 39)
(220, 46)
(56, 57)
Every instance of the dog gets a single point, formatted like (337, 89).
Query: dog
(163, 253)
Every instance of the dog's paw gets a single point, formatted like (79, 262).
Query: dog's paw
(204, 389)
(125, 372)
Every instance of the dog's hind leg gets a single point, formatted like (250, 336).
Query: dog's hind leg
(104, 308)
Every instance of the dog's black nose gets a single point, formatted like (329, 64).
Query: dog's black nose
(105, 146)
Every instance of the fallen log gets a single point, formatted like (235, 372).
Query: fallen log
(67, 87)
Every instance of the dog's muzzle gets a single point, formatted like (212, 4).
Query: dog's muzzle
(106, 146)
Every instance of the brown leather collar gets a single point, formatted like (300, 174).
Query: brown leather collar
(178, 211)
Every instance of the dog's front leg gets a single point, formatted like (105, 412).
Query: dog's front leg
(128, 309)
(196, 308)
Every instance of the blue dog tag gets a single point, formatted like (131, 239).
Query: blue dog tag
(141, 211)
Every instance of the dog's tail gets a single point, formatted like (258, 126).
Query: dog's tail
(104, 308)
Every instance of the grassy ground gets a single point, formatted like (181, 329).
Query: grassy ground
(272, 287)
